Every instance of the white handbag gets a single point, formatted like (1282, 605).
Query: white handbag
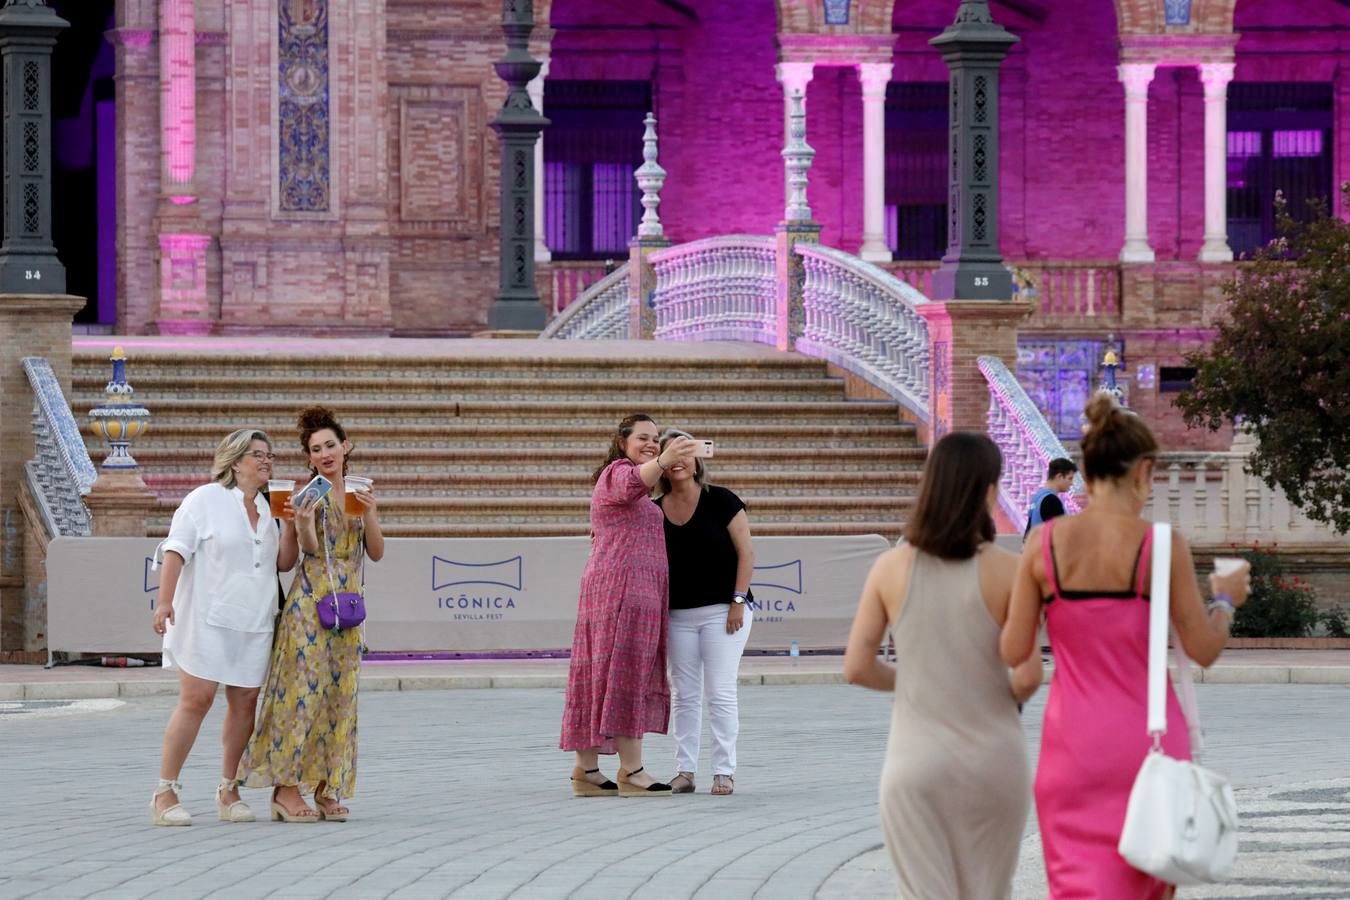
(1181, 822)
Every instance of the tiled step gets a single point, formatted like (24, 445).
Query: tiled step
(193, 462)
(529, 440)
(766, 527)
(551, 509)
(168, 386)
(370, 416)
(280, 368)
(577, 483)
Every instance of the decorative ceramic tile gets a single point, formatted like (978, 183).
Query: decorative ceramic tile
(302, 105)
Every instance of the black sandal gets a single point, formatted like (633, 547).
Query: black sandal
(582, 787)
(628, 789)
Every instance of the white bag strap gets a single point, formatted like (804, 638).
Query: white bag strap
(1159, 627)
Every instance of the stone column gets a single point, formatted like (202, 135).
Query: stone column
(794, 77)
(1215, 77)
(874, 78)
(182, 238)
(541, 251)
(1136, 78)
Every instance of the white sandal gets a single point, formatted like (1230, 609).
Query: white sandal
(174, 815)
(238, 811)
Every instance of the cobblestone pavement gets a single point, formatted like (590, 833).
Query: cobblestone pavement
(462, 794)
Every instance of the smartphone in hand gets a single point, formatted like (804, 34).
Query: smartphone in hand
(705, 450)
(317, 488)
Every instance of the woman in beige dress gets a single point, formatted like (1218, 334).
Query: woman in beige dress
(955, 785)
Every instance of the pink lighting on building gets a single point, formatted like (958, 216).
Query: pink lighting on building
(178, 92)
(1297, 143)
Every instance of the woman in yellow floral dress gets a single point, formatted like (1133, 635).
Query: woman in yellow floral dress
(306, 735)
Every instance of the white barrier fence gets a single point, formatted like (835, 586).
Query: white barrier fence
(462, 594)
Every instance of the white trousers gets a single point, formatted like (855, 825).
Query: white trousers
(704, 662)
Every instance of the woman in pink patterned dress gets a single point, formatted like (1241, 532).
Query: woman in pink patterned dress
(1080, 571)
(616, 683)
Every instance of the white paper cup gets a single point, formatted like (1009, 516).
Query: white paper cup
(1227, 565)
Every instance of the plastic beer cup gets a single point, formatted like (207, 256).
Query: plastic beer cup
(278, 492)
(353, 483)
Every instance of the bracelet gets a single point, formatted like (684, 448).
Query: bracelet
(658, 464)
(1223, 602)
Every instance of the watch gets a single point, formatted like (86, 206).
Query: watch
(739, 597)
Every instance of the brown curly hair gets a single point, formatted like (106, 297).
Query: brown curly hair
(313, 419)
(622, 434)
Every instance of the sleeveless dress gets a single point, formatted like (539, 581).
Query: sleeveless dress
(956, 785)
(306, 731)
(616, 679)
(1094, 739)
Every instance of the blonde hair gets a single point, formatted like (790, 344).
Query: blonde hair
(231, 450)
(700, 470)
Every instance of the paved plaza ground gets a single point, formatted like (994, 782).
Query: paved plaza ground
(461, 793)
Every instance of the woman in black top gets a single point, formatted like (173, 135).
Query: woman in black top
(708, 550)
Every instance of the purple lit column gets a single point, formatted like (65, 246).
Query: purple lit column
(1136, 78)
(182, 243)
(1215, 77)
(874, 78)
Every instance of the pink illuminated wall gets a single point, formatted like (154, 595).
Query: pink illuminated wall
(178, 98)
(1062, 109)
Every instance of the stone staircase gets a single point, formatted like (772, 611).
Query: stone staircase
(477, 446)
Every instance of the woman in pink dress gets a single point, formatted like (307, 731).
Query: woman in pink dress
(1089, 574)
(616, 682)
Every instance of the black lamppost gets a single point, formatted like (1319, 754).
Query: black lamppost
(973, 48)
(518, 126)
(28, 263)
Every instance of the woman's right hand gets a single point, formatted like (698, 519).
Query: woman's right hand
(304, 513)
(681, 448)
(163, 614)
(1237, 585)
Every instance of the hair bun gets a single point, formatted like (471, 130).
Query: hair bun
(1103, 411)
(314, 418)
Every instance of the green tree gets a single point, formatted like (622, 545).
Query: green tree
(1281, 363)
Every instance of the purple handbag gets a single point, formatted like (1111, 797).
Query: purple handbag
(341, 611)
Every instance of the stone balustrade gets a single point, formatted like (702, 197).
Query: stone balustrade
(716, 289)
(866, 321)
(1213, 500)
(569, 279)
(599, 313)
(61, 473)
(1026, 440)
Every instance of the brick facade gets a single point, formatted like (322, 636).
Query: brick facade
(409, 246)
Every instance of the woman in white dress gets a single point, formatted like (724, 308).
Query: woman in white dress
(217, 603)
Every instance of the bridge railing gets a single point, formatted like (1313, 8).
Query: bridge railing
(866, 321)
(599, 313)
(717, 289)
(1026, 439)
(61, 472)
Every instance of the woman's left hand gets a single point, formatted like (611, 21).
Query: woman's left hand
(367, 499)
(735, 618)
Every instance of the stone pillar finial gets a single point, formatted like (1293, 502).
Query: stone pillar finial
(119, 420)
(650, 178)
(797, 156)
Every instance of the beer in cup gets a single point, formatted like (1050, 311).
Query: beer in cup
(278, 492)
(353, 483)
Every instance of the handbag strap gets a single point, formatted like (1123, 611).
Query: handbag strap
(1159, 627)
